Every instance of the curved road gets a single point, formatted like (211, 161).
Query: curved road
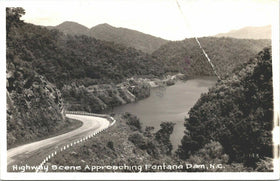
(33, 153)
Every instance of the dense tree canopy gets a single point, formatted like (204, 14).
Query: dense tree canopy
(237, 112)
(225, 53)
(13, 16)
(63, 58)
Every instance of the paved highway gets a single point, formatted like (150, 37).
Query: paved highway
(33, 154)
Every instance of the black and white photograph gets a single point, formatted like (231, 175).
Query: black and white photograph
(130, 89)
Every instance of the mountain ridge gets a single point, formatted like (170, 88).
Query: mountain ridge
(127, 37)
(71, 28)
(249, 32)
(225, 53)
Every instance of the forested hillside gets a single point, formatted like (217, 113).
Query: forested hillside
(226, 53)
(177, 56)
(127, 37)
(130, 38)
(64, 58)
(29, 95)
(41, 63)
(237, 113)
(126, 143)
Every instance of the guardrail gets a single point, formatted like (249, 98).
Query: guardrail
(62, 148)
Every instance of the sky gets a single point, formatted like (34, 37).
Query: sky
(161, 18)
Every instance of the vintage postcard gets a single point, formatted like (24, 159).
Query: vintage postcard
(137, 90)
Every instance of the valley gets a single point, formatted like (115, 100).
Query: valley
(122, 72)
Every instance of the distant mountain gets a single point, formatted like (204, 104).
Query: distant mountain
(129, 38)
(226, 54)
(263, 32)
(71, 28)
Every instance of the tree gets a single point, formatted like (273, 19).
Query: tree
(138, 140)
(237, 112)
(132, 121)
(110, 145)
(265, 165)
(148, 131)
(211, 153)
(162, 136)
(13, 16)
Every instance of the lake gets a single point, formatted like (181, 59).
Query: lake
(169, 104)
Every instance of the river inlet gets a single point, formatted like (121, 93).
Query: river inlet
(169, 104)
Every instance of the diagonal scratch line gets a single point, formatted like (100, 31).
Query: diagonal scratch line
(196, 39)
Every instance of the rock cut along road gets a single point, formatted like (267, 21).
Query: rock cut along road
(32, 154)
